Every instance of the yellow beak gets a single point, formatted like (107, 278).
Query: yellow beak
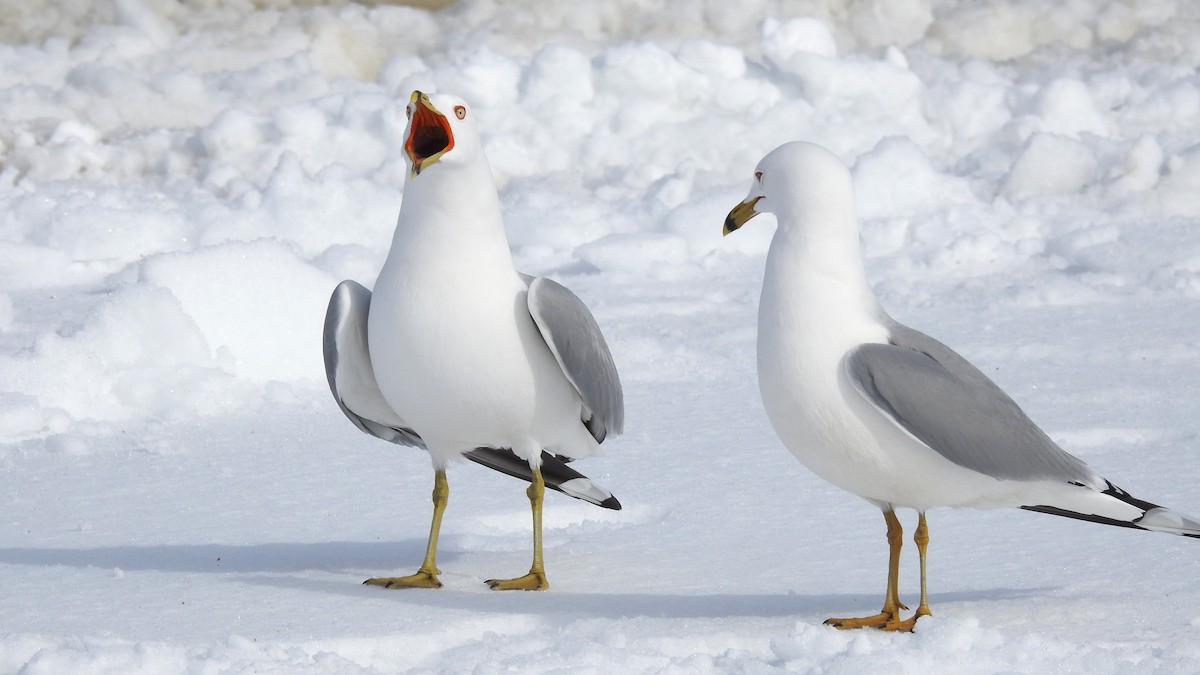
(740, 214)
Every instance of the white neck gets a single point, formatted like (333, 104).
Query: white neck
(820, 262)
(455, 215)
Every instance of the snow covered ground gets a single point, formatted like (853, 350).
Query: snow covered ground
(182, 184)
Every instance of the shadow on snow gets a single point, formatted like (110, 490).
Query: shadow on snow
(275, 565)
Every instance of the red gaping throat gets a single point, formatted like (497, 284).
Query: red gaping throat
(429, 133)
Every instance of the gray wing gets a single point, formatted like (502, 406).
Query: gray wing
(938, 397)
(352, 381)
(575, 339)
(348, 367)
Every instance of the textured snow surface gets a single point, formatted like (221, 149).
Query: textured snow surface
(182, 185)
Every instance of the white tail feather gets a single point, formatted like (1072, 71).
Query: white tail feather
(1172, 522)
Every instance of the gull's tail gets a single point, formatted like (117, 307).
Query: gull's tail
(1114, 506)
(555, 472)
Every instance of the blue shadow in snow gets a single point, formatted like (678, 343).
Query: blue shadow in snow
(276, 565)
(232, 558)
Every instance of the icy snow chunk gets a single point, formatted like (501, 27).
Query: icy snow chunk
(351, 261)
(1140, 169)
(137, 353)
(74, 129)
(347, 44)
(783, 40)
(135, 14)
(259, 300)
(395, 75)
(1117, 22)
(1051, 165)
(299, 121)
(488, 78)
(648, 72)
(882, 23)
(1000, 31)
(994, 31)
(559, 77)
(855, 87)
(141, 327)
(896, 179)
(712, 59)
(970, 109)
(20, 416)
(1065, 107)
(27, 266)
(1179, 193)
(233, 134)
(312, 212)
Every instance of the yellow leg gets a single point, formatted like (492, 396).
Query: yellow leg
(921, 537)
(536, 579)
(891, 600)
(426, 576)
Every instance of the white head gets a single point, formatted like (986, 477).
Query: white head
(804, 185)
(441, 130)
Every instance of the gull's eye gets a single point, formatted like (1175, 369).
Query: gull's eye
(758, 176)
(460, 112)
(408, 111)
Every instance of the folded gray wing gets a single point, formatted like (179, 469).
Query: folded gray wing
(575, 339)
(348, 367)
(352, 381)
(942, 400)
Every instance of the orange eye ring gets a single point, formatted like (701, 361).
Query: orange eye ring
(758, 176)
(460, 112)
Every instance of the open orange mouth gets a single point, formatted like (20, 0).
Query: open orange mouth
(429, 134)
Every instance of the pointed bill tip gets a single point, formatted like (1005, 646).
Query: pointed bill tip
(740, 214)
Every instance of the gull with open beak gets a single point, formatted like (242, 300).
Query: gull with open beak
(458, 353)
(881, 410)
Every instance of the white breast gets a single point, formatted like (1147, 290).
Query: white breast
(808, 321)
(458, 356)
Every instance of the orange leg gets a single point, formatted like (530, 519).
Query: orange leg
(891, 600)
(921, 537)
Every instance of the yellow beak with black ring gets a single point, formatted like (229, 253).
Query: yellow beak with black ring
(740, 215)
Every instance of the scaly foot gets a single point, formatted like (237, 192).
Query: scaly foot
(876, 621)
(885, 620)
(907, 625)
(421, 579)
(534, 581)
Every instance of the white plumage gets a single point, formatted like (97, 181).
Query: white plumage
(881, 410)
(457, 352)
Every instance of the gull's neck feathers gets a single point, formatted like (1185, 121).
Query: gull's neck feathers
(816, 248)
(450, 215)
(460, 195)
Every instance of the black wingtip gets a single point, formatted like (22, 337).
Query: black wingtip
(611, 503)
(1091, 518)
